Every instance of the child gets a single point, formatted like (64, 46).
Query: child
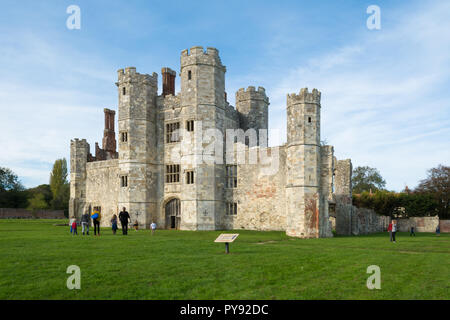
(114, 224)
(73, 226)
(153, 227)
(136, 226)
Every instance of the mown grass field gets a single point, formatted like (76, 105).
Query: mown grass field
(34, 256)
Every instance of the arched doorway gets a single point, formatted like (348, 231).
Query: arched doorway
(173, 214)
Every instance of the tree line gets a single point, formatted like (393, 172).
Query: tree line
(54, 195)
(431, 197)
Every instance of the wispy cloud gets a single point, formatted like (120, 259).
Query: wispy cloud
(385, 97)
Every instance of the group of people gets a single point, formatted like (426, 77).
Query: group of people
(86, 218)
(393, 230)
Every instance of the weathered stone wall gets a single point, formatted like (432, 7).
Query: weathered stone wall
(17, 213)
(421, 224)
(102, 189)
(366, 221)
(260, 192)
(444, 225)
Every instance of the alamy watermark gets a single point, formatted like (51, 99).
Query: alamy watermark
(73, 281)
(74, 20)
(374, 20)
(211, 146)
(374, 281)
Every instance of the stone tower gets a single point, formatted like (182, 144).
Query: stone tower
(252, 107)
(203, 100)
(138, 169)
(79, 152)
(303, 203)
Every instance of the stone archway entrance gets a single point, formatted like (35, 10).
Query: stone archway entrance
(173, 214)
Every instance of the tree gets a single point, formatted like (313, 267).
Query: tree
(437, 184)
(37, 202)
(12, 192)
(9, 180)
(367, 179)
(59, 185)
(44, 190)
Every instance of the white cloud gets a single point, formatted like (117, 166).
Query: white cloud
(385, 97)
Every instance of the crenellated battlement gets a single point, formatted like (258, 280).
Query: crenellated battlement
(198, 55)
(304, 97)
(78, 143)
(129, 75)
(251, 94)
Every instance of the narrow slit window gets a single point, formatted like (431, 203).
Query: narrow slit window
(190, 125)
(124, 181)
(231, 175)
(189, 177)
(189, 75)
(309, 119)
(124, 91)
(124, 136)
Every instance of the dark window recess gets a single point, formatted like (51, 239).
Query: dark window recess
(189, 75)
(309, 119)
(190, 125)
(124, 91)
(124, 136)
(172, 173)
(189, 177)
(172, 132)
(231, 176)
(231, 209)
(124, 181)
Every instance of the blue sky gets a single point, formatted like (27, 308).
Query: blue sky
(385, 93)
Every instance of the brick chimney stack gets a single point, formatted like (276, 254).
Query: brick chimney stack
(109, 136)
(168, 76)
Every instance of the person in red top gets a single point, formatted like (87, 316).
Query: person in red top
(390, 230)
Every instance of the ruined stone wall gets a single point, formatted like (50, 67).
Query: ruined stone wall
(260, 194)
(102, 188)
(18, 213)
(343, 196)
(366, 221)
(421, 224)
(444, 225)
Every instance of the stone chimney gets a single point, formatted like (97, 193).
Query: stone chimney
(168, 76)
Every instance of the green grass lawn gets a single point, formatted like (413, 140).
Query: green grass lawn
(34, 256)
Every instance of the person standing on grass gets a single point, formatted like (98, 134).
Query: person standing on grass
(153, 227)
(394, 229)
(114, 224)
(438, 230)
(73, 226)
(124, 217)
(390, 230)
(96, 217)
(412, 233)
(85, 222)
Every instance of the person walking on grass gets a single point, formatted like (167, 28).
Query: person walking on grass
(394, 229)
(85, 222)
(153, 227)
(96, 217)
(114, 224)
(73, 226)
(124, 217)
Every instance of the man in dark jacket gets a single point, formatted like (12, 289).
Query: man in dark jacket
(85, 222)
(124, 217)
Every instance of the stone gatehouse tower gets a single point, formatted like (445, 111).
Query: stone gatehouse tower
(173, 161)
